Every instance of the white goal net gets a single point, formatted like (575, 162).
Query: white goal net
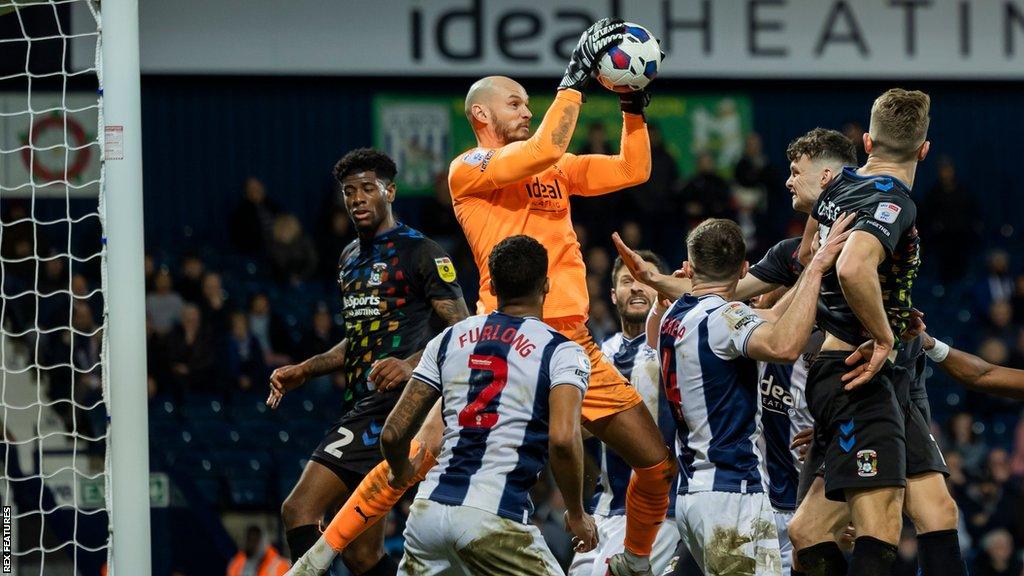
(53, 400)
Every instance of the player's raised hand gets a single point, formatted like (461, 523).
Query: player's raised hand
(915, 326)
(284, 380)
(594, 42)
(583, 530)
(828, 253)
(633, 261)
(390, 373)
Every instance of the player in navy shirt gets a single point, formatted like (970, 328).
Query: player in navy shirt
(395, 284)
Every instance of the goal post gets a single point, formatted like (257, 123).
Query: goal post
(74, 463)
(121, 212)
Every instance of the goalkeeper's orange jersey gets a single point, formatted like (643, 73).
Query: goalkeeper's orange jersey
(524, 188)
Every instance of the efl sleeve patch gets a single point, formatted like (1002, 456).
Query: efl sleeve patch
(445, 268)
(475, 157)
(887, 212)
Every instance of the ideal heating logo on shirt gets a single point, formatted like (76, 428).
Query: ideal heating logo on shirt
(538, 189)
(775, 398)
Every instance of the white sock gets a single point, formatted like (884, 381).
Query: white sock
(637, 563)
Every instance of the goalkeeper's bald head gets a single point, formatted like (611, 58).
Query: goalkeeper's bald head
(501, 103)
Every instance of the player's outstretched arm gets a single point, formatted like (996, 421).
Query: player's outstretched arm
(596, 174)
(968, 369)
(669, 287)
(784, 340)
(287, 378)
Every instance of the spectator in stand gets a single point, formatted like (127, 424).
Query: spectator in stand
(1017, 300)
(438, 217)
(335, 234)
(998, 557)
(998, 284)
(1000, 321)
(269, 330)
(20, 242)
(213, 303)
(1017, 460)
(957, 480)
(149, 268)
(707, 195)
(290, 251)
(245, 366)
(950, 238)
(163, 304)
(655, 197)
(599, 264)
(190, 354)
(253, 218)
(992, 502)
(257, 557)
(967, 442)
(190, 278)
(602, 323)
(75, 372)
(631, 234)
(854, 130)
(322, 336)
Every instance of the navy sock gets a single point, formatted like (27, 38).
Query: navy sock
(940, 554)
(872, 557)
(824, 559)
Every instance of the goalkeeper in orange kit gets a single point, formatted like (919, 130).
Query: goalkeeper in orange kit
(514, 183)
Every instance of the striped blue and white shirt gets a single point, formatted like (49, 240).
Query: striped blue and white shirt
(784, 413)
(712, 387)
(494, 373)
(638, 362)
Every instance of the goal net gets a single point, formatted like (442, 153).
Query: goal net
(53, 483)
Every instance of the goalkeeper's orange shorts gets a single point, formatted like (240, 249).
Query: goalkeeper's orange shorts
(609, 392)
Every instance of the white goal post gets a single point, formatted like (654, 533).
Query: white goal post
(74, 485)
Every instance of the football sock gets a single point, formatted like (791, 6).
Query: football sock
(646, 505)
(824, 559)
(371, 501)
(301, 539)
(940, 554)
(872, 557)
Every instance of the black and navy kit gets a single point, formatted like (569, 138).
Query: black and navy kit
(863, 432)
(781, 264)
(886, 211)
(923, 453)
(387, 284)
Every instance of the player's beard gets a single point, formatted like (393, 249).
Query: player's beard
(514, 132)
(632, 317)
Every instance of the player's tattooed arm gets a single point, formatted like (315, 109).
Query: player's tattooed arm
(451, 311)
(404, 422)
(327, 362)
(288, 378)
(564, 129)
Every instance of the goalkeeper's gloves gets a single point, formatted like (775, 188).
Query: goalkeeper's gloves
(594, 42)
(634, 102)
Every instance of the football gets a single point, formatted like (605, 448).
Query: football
(632, 64)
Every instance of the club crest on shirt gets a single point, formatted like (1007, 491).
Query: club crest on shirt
(887, 212)
(376, 273)
(867, 463)
(445, 268)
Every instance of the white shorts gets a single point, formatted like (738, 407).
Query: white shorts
(464, 541)
(612, 533)
(785, 545)
(729, 533)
